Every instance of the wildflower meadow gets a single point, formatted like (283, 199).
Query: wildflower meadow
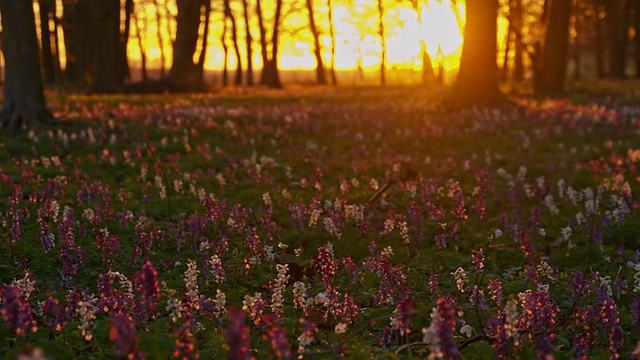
(364, 223)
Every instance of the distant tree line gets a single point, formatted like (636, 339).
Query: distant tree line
(544, 39)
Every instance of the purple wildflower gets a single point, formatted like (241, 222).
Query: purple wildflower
(477, 298)
(237, 335)
(277, 336)
(445, 328)
(123, 334)
(16, 311)
(146, 282)
(434, 286)
(184, 347)
(495, 292)
(351, 267)
(477, 259)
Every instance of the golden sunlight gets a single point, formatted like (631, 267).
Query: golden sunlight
(357, 42)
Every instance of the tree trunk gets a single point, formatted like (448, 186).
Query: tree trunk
(599, 48)
(477, 79)
(552, 67)
(79, 40)
(332, 34)
(122, 72)
(225, 50)
(234, 37)
(427, 66)
(249, 43)
(273, 77)
(160, 40)
(518, 67)
(47, 8)
(636, 40)
(504, 71)
(383, 47)
(205, 39)
(317, 50)
(184, 72)
(617, 37)
(143, 51)
(24, 102)
(263, 45)
(105, 17)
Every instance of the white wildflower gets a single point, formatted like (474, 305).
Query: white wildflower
(278, 287)
(313, 217)
(269, 254)
(300, 300)
(551, 205)
(573, 196)
(86, 311)
(389, 225)
(546, 270)
(191, 280)
(561, 188)
(404, 232)
(221, 302)
(373, 183)
(162, 191)
(461, 279)
(267, 199)
(125, 283)
(331, 228)
(606, 282)
(174, 307)
(25, 285)
(522, 174)
(466, 330)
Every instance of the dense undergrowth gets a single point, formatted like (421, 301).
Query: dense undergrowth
(355, 222)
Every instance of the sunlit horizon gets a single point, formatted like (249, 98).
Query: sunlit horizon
(355, 47)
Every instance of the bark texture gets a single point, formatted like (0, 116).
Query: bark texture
(24, 102)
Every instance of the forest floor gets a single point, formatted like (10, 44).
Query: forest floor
(361, 222)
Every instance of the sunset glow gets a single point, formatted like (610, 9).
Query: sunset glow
(357, 42)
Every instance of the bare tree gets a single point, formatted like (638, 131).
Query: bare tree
(270, 75)
(160, 37)
(332, 34)
(228, 14)
(139, 36)
(427, 66)
(225, 51)
(204, 39)
(317, 50)
(383, 47)
(24, 102)
(263, 44)
(249, 42)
